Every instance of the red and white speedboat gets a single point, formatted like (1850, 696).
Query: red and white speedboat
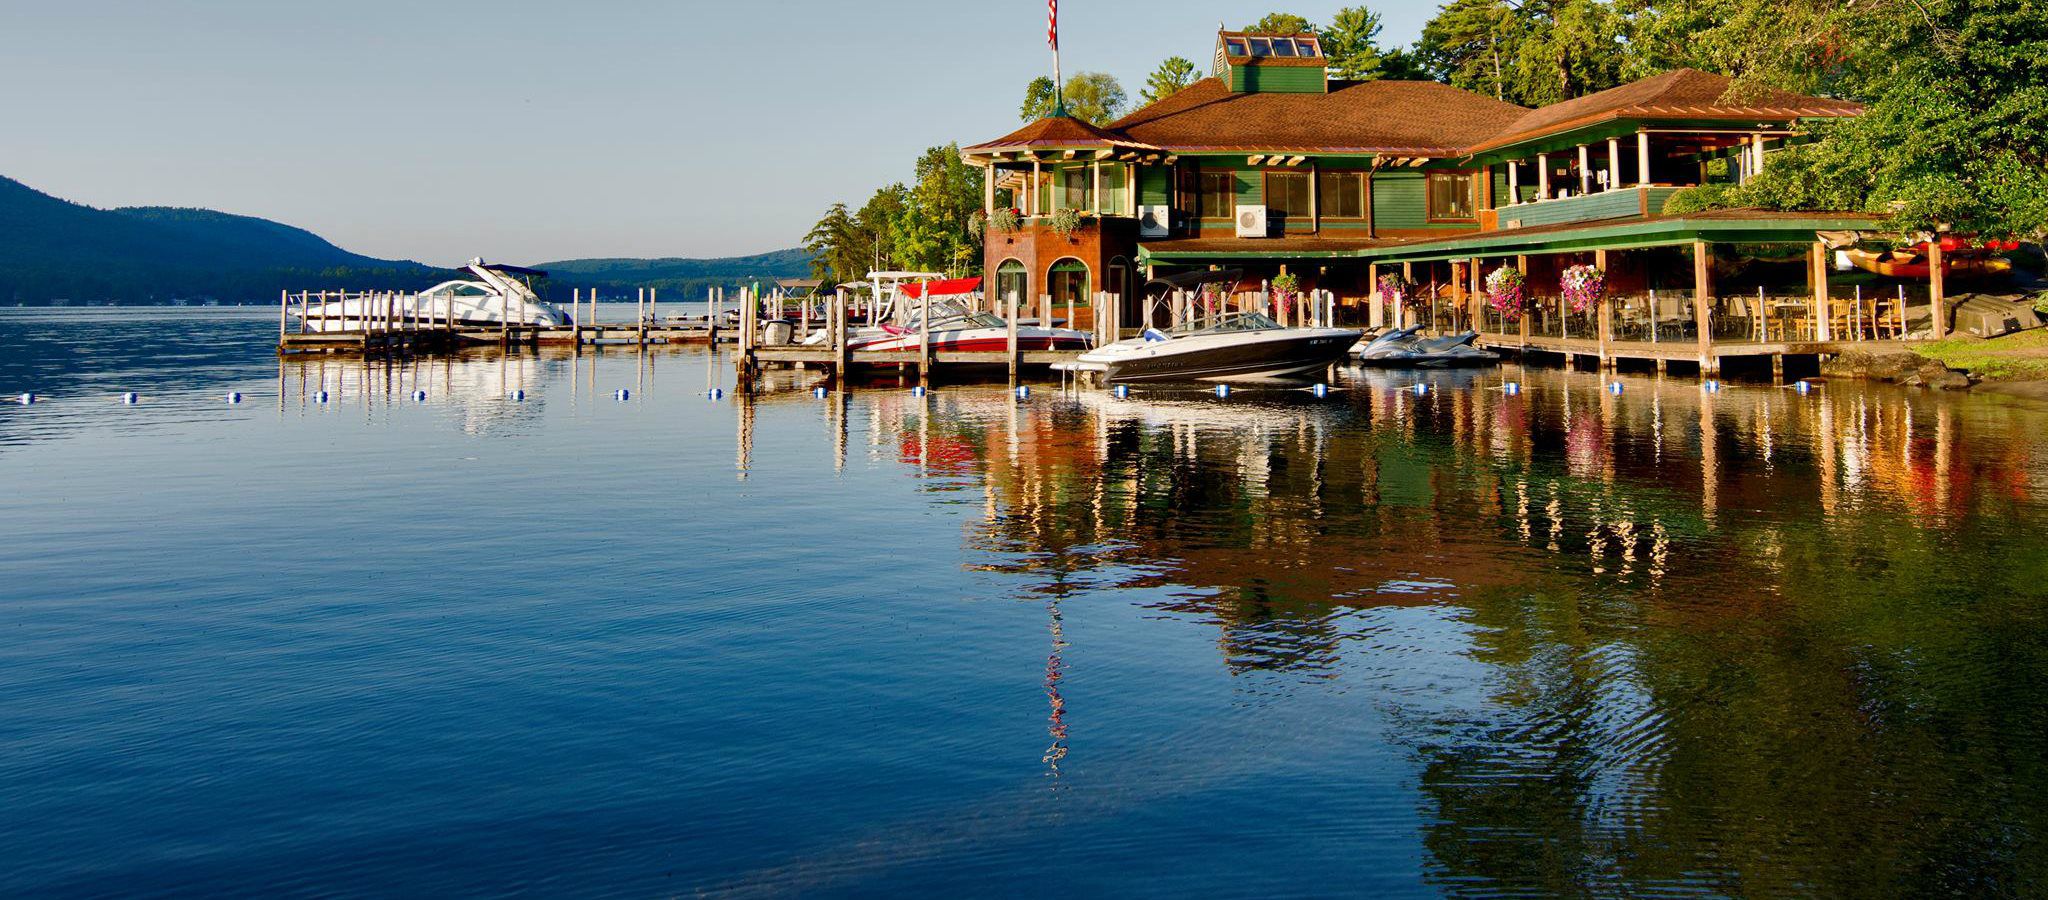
(960, 329)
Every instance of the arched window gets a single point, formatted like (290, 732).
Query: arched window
(1012, 281)
(1068, 284)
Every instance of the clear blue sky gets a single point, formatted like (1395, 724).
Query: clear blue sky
(529, 131)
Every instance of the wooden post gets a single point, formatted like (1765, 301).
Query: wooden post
(924, 334)
(839, 339)
(1613, 166)
(1643, 159)
(1401, 301)
(1585, 172)
(1011, 335)
(284, 312)
(1937, 298)
(1522, 323)
(1542, 176)
(1702, 293)
(1514, 182)
(1045, 310)
(1375, 314)
(1478, 299)
(653, 308)
(1823, 327)
(1606, 312)
(303, 327)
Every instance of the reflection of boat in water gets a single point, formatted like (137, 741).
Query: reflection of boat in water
(1240, 346)
(1912, 262)
(1407, 347)
(497, 294)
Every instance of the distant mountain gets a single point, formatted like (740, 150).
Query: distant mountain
(56, 249)
(53, 249)
(686, 279)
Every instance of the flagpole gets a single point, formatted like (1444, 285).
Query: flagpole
(1052, 34)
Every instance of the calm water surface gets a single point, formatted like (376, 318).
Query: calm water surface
(1753, 643)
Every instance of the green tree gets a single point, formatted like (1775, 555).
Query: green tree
(1535, 53)
(1172, 76)
(1352, 44)
(1093, 97)
(1472, 44)
(1281, 23)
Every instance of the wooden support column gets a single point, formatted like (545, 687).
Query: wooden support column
(1642, 159)
(1514, 182)
(1035, 170)
(1702, 293)
(1477, 300)
(988, 190)
(1542, 176)
(839, 342)
(1937, 295)
(1376, 312)
(1401, 306)
(1817, 269)
(1606, 313)
(1585, 172)
(284, 312)
(1613, 165)
(1095, 192)
(1522, 321)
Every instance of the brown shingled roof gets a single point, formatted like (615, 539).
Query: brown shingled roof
(1056, 131)
(1677, 94)
(1420, 118)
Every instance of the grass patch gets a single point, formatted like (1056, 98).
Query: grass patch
(2013, 357)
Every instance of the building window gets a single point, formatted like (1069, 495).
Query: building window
(1342, 195)
(1287, 195)
(1216, 196)
(1011, 285)
(1068, 283)
(1453, 196)
(1115, 201)
(1077, 188)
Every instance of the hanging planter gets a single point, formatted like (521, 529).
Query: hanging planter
(1285, 286)
(1393, 286)
(1506, 292)
(1006, 221)
(1064, 222)
(1583, 286)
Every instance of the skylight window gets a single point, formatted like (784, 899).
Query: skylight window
(1283, 47)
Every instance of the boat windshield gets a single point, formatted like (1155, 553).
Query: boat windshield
(1244, 321)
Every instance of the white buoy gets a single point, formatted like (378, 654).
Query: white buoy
(234, 397)
(622, 395)
(1512, 388)
(1320, 390)
(518, 395)
(26, 399)
(130, 398)
(1614, 388)
(419, 396)
(1713, 387)
(1223, 390)
(714, 394)
(819, 393)
(319, 396)
(1023, 392)
(1421, 389)
(1122, 391)
(918, 391)
(1804, 387)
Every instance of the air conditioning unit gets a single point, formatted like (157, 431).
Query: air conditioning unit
(1251, 222)
(1155, 221)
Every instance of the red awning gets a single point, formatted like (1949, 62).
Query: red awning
(950, 288)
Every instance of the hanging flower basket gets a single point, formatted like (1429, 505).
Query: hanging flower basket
(1393, 286)
(1006, 221)
(1284, 288)
(1506, 293)
(1064, 222)
(1583, 286)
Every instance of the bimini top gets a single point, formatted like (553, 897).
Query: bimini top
(478, 263)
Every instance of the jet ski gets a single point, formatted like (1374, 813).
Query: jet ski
(1405, 347)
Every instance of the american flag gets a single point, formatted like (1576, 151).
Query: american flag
(1052, 23)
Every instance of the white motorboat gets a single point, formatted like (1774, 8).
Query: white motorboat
(956, 327)
(495, 295)
(1244, 346)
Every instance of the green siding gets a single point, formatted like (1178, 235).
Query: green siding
(1155, 185)
(1277, 80)
(1588, 208)
(1400, 200)
(1251, 187)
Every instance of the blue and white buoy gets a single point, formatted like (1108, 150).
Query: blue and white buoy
(918, 391)
(1421, 388)
(26, 399)
(1615, 389)
(714, 394)
(1513, 388)
(1320, 390)
(1023, 392)
(419, 396)
(622, 395)
(819, 393)
(1713, 386)
(130, 398)
(1805, 387)
(319, 396)
(234, 397)
(518, 395)
(1122, 391)
(1223, 390)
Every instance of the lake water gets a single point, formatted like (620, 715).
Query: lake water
(1662, 642)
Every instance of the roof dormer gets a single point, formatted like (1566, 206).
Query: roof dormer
(1271, 63)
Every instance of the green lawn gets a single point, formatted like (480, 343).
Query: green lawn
(2014, 357)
